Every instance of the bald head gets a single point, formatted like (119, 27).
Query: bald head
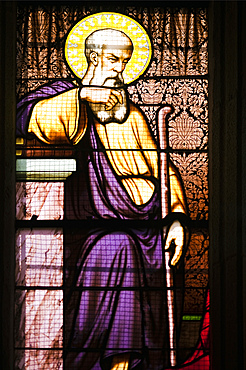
(107, 39)
(107, 52)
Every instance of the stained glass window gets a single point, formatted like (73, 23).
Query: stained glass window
(111, 194)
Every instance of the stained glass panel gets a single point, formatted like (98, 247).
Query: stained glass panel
(112, 198)
(39, 359)
(39, 257)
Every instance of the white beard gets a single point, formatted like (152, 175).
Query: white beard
(118, 113)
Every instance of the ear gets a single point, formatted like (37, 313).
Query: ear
(94, 58)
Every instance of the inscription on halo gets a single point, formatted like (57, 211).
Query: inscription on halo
(74, 47)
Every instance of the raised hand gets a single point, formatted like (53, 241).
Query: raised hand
(109, 97)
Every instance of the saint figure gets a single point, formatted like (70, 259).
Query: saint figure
(119, 318)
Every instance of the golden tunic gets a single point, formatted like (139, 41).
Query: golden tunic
(131, 149)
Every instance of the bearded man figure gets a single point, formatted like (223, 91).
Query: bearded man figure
(118, 321)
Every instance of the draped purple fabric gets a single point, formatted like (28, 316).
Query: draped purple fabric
(128, 320)
(120, 314)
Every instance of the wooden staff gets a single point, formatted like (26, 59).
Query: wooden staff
(164, 172)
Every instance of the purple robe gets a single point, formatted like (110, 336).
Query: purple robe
(110, 307)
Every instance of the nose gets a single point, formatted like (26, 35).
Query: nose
(119, 67)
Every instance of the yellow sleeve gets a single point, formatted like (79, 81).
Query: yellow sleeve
(176, 191)
(145, 140)
(57, 120)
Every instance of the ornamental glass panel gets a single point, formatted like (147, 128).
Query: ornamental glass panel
(111, 194)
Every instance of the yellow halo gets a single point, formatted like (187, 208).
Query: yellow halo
(74, 47)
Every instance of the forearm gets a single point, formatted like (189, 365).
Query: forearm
(177, 194)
